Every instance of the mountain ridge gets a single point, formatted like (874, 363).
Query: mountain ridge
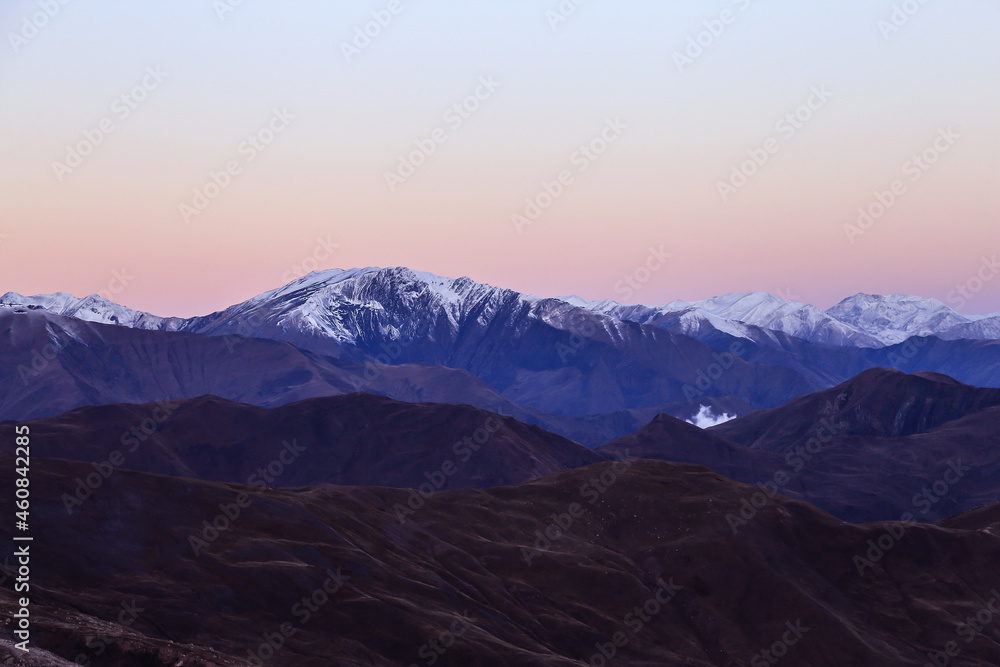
(865, 320)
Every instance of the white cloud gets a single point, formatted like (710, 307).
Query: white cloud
(706, 418)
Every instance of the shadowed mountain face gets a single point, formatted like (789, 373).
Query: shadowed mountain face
(874, 448)
(877, 403)
(649, 573)
(54, 364)
(358, 439)
(975, 362)
(906, 333)
(950, 469)
(669, 439)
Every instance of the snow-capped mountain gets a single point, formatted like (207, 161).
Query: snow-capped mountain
(741, 315)
(92, 308)
(570, 356)
(345, 307)
(795, 319)
(366, 307)
(894, 318)
(984, 328)
(543, 353)
(863, 320)
(675, 317)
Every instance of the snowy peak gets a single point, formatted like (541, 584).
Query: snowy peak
(736, 313)
(795, 319)
(756, 308)
(984, 328)
(894, 318)
(574, 300)
(92, 308)
(310, 282)
(354, 305)
(403, 287)
(55, 303)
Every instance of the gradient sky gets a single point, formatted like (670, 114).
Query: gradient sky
(323, 177)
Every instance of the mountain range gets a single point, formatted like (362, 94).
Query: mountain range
(385, 467)
(589, 371)
(863, 320)
(342, 305)
(864, 450)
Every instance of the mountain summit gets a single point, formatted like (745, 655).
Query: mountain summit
(894, 318)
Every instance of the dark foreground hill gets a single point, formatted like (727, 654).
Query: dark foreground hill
(880, 445)
(357, 439)
(628, 564)
(878, 402)
(834, 449)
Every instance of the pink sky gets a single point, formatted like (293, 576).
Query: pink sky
(321, 179)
